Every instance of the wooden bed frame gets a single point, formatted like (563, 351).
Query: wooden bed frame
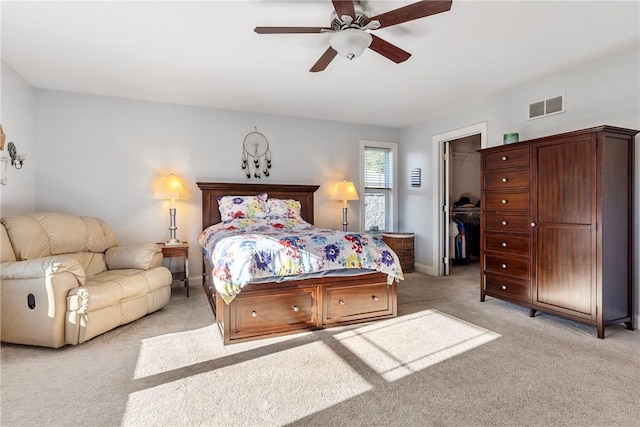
(269, 309)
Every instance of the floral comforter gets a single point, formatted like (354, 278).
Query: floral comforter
(243, 250)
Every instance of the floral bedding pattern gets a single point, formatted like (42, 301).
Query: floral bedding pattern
(244, 249)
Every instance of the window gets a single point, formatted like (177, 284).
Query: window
(378, 176)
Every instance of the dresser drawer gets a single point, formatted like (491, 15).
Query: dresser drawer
(515, 201)
(497, 221)
(264, 312)
(513, 244)
(506, 179)
(346, 303)
(507, 158)
(503, 264)
(507, 288)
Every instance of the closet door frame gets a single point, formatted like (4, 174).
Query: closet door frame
(440, 232)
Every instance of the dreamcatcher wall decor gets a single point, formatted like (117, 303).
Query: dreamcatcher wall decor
(256, 155)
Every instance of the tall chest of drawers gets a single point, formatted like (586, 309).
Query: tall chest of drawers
(505, 223)
(556, 225)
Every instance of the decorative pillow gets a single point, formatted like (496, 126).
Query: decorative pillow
(232, 207)
(281, 208)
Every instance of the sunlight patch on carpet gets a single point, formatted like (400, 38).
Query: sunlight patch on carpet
(398, 347)
(182, 349)
(264, 388)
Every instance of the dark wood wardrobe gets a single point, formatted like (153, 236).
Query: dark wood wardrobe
(557, 225)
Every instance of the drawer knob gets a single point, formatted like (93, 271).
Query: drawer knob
(504, 158)
(375, 298)
(341, 302)
(296, 308)
(504, 287)
(504, 222)
(503, 244)
(505, 179)
(504, 201)
(504, 266)
(533, 224)
(254, 314)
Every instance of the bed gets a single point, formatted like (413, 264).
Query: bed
(276, 307)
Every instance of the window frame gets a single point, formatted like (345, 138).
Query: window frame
(392, 214)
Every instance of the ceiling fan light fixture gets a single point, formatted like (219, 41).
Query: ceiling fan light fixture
(351, 42)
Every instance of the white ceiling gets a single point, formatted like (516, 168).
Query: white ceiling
(206, 54)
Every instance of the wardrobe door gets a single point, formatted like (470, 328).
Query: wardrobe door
(564, 225)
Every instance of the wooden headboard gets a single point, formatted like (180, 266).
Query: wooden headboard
(212, 190)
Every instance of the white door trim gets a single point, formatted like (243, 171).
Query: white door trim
(437, 230)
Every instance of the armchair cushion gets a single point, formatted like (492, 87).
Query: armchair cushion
(140, 256)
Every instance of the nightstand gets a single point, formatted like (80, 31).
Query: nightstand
(403, 245)
(178, 251)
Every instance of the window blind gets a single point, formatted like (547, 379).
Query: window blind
(378, 168)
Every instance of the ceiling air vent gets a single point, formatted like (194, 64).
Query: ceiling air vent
(546, 107)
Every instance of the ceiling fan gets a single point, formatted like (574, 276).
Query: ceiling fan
(350, 26)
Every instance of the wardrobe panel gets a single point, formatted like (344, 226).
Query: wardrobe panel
(565, 182)
(564, 268)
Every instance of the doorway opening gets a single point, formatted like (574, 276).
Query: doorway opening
(458, 200)
(463, 245)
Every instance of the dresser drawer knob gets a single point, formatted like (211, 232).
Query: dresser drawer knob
(504, 265)
(504, 158)
(504, 201)
(296, 308)
(533, 224)
(504, 222)
(254, 314)
(503, 244)
(375, 298)
(504, 287)
(341, 302)
(505, 179)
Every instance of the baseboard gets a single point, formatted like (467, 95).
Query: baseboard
(426, 269)
(195, 281)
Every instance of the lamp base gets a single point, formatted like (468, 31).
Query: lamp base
(172, 242)
(344, 219)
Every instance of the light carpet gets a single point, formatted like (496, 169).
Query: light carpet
(447, 359)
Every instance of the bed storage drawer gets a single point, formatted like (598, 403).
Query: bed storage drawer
(347, 303)
(260, 313)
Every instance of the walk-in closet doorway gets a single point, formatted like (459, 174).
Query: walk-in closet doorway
(459, 197)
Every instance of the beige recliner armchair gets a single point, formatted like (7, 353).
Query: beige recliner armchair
(65, 280)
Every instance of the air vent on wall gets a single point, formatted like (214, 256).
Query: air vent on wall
(546, 107)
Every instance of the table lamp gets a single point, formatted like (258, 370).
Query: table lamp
(345, 191)
(171, 188)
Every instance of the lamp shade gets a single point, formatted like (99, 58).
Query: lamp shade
(171, 188)
(345, 190)
(350, 43)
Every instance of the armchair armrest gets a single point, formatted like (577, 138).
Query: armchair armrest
(142, 256)
(42, 267)
(33, 299)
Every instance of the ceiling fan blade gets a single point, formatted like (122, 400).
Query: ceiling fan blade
(388, 50)
(290, 30)
(413, 11)
(344, 7)
(324, 60)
